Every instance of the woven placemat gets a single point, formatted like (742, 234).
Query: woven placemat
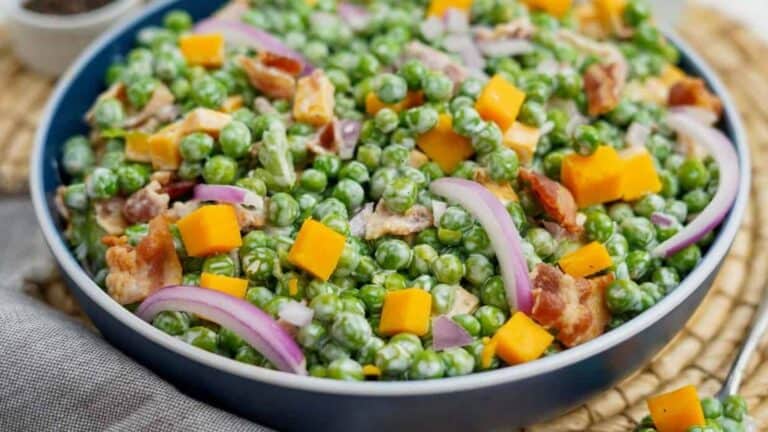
(700, 354)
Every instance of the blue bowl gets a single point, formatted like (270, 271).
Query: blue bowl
(507, 397)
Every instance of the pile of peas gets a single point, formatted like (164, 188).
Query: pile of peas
(727, 416)
(456, 253)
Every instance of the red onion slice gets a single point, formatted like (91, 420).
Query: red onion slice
(350, 134)
(354, 16)
(239, 33)
(228, 194)
(438, 208)
(446, 333)
(702, 115)
(360, 220)
(246, 320)
(722, 150)
(296, 313)
(637, 134)
(663, 220)
(505, 239)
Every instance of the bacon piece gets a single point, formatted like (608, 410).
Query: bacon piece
(383, 221)
(179, 189)
(603, 84)
(314, 101)
(205, 120)
(251, 217)
(574, 307)
(160, 107)
(555, 198)
(135, 273)
(520, 28)
(693, 91)
(146, 203)
(437, 60)
(326, 140)
(109, 215)
(271, 81)
(288, 65)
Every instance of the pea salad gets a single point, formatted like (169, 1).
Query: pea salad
(397, 190)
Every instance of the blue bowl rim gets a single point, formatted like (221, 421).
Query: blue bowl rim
(470, 382)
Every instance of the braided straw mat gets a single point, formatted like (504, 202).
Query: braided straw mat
(701, 354)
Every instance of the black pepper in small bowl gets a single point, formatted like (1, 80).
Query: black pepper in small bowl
(64, 7)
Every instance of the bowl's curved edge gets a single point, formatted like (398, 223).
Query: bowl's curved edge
(41, 200)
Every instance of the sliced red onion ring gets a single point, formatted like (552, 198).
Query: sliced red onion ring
(637, 134)
(702, 115)
(446, 333)
(464, 46)
(663, 220)
(722, 150)
(228, 194)
(505, 239)
(350, 134)
(360, 220)
(246, 320)
(354, 16)
(296, 313)
(239, 33)
(438, 208)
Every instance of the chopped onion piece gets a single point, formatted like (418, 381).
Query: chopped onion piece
(296, 313)
(360, 220)
(505, 239)
(702, 115)
(724, 153)
(456, 21)
(637, 134)
(228, 194)
(257, 328)
(446, 333)
(438, 208)
(663, 220)
(432, 28)
(350, 134)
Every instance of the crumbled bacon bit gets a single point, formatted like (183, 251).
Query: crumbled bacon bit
(286, 64)
(574, 307)
(383, 222)
(109, 215)
(134, 273)
(271, 81)
(146, 203)
(603, 84)
(520, 28)
(555, 199)
(325, 140)
(693, 91)
(314, 101)
(179, 189)
(159, 107)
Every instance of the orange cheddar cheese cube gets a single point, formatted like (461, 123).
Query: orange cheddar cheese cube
(640, 177)
(557, 8)
(609, 11)
(205, 120)
(523, 140)
(521, 340)
(586, 260)
(209, 230)
(671, 75)
(444, 146)
(406, 311)
(137, 147)
(203, 49)
(438, 8)
(228, 285)
(593, 179)
(317, 249)
(373, 104)
(488, 353)
(500, 102)
(232, 104)
(164, 147)
(677, 410)
(370, 370)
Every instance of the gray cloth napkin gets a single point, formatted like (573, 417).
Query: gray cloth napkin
(58, 375)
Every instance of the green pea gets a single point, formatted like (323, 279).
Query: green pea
(208, 92)
(367, 354)
(400, 194)
(685, 260)
(666, 278)
(443, 298)
(692, 174)
(393, 360)
(171, 322)
(437, 87)
(256, 239)
(395, 156)
(735, 407)
(599, 226)
(354, 171)
(426, 365)
(639, 264)
(351, 330)
(221, 264)
(332, 351)
(220, 169)
(326, 306)
(189, 279)
(283, 209)
(586, 140)
(639, 232)
(235, 139)
(542, 242)
(102, 184)
(259, 296)
(393, 254)
(697, 200)
(423, 256)
(487, 139)
(329, 164)
(448, 269)
(109, 114)
(140, 91)
(413, 71)
(330, 206)
(76, 197)
(533, 113)
(620, 211)
(649, 205)
(369, 155)
(386, 120)
(622, 296)
(77, 156)
(366, 268)
(492, 293)
(230, 342)
(503, 165)
(190, 170)
(248, 355)
(390, 88)
(467, 121)
(259, 263)
(177, 20)
(345, 369)
(132, 177)
(201, 337)
(457, 362)
(350, 193)
(465, 169)
(491, 319)
(469, 323)
(420, 119)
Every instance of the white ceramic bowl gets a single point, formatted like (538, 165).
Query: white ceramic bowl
(48, 44)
